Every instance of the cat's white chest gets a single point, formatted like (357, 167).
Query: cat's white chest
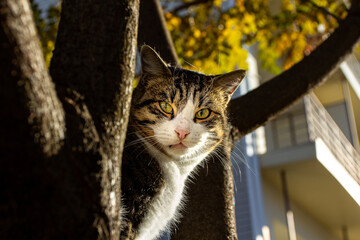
(164, 205)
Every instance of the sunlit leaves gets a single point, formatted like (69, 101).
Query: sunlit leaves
(47, 27)
(208, 41)
(211, 35)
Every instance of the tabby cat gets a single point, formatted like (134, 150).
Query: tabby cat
(177, 119)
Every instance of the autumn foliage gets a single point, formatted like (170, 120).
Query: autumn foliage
(212, 35)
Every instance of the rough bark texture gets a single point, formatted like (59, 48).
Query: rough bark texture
(32, 126)
(93, 67)
(58, 185)
(22, 54)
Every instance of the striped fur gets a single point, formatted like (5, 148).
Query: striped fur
(163, 148)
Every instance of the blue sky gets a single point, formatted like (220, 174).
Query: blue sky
(44, 4)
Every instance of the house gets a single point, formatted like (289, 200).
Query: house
(299, 176)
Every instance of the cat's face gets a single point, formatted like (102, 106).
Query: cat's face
(179, 112)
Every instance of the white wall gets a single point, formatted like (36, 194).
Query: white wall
(306, 227)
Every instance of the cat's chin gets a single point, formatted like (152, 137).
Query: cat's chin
(178, 150)
(178, 146)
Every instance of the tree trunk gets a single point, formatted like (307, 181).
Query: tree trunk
(61, 184)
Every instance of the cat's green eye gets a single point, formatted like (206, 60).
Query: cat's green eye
(166, 107)
(202, 113)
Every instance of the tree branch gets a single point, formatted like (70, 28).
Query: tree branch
(46, 115)
(32, 127)
(324, 10)
(187, 5)
(275, 96)
(151, 31)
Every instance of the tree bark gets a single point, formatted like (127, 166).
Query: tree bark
(32, 125)
(23, 68)
(93, 67)
(59, 185)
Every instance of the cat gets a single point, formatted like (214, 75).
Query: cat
(177, 119)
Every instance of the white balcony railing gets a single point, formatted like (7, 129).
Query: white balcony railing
(307, 121)
(321, 125)
(351, 69)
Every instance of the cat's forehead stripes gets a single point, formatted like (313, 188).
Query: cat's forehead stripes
(200, 87)
(188, 83)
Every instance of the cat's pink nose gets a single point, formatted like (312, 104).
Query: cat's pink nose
(182, 133)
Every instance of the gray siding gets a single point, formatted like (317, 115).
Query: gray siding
(242, 207)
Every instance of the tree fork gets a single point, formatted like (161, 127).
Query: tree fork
(32, 124)
(93, 67)
(71, 191)
(22, 54)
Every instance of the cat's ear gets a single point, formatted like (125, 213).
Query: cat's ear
(229, 82)
(152, 63)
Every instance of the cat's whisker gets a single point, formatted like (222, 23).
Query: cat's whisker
(139, 140)
(138, 131)
(242, 159)
(198, 69)
(152, 143)
(145, 148)
(237, 166)
(222, 158)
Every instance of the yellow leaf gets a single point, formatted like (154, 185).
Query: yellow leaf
(189, 53)
(197, 33)
(218, 3)
(357, 49)
(309, 26)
